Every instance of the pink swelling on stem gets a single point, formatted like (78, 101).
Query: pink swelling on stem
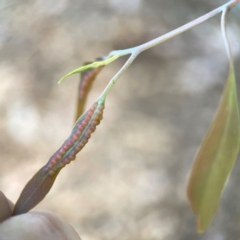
(78, 138)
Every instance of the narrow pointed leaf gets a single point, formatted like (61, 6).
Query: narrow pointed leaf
(216, 157)
(40, 184)
(34, 192)
(87, 78)
(91, 65)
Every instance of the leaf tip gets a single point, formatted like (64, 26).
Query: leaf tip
(65, 76)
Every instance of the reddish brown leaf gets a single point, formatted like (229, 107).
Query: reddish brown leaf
(87, 78)
(38, 187)
(34, 192)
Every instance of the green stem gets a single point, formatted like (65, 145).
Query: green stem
(114, 79)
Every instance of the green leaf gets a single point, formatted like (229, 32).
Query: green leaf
(91, 65)
(34, 192)
(216, 157)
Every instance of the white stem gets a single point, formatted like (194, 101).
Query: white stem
(224, 34)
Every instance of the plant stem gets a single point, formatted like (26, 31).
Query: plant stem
(114, 79)
(225, 38)
(138, 49)
(186, 27)
(176, 32)
(233, 3)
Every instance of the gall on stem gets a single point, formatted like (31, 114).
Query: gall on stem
(41, 183)
(87, 78)
(78, 138)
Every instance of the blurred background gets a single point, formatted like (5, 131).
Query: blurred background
(129, 182)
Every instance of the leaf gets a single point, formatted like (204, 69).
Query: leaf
(87, 78)
(34, 192)
(216, 157)
(40, 184)
(91, 65)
